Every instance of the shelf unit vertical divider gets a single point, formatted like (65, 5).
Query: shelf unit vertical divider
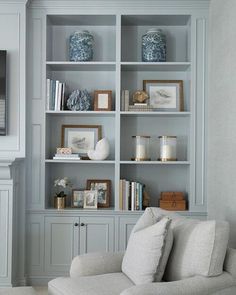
(44, 122)
(117, 116)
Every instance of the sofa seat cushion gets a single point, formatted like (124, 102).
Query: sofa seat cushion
(107, 284)
(199, 247)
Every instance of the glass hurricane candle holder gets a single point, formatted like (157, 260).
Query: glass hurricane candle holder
(167, 148)
(141, 145)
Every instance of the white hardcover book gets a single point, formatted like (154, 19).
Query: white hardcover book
(48, 91)
(56, 96)
(59, 96)
(126, 100)
(66, 158)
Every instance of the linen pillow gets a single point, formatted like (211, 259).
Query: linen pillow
(199, 249)
(144, 252)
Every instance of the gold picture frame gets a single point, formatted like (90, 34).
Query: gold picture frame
(165, 95)
(102, 100)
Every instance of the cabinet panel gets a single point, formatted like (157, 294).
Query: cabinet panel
(35, 243)
(126, 225)
(96, 234)
(61, 243)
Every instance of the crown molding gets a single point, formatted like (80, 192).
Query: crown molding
(184, 4)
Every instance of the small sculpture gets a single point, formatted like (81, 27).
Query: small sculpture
(79, 100)
(140, 96)
(101, 151)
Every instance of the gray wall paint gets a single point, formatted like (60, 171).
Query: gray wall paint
(222, 114)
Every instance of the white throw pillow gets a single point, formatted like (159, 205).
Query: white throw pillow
(144, 252)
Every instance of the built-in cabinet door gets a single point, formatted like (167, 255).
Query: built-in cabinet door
(126, 225)
(61, 243)
(96, 234)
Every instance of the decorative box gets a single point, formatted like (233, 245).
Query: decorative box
(173, 205)
(173, 201)
(170, 196)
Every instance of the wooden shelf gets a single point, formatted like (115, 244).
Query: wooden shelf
(153, 113)
(82, 113)
(154, 163)
(73, 161)
(155, 66)
(81, 66)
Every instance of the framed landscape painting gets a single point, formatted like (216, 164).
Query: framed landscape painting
(165, 95)
(80, 138)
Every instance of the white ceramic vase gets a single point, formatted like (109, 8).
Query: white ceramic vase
(101, 151)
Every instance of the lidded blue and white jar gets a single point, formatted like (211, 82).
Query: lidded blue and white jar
(154, 46)
(81, 46)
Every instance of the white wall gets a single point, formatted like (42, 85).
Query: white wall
(222, 114)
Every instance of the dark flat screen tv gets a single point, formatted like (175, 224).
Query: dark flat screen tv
(3, 95)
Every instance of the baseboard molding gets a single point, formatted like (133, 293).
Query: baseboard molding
(19, 282)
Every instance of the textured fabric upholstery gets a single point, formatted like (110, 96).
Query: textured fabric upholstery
(192, 286)
(96, 264)
(144, 252)
(199, 247)
(230, 262)
(109, 284)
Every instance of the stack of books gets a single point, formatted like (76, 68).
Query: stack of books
(55, 95)
(131, 195)
(66, 157)
(140, 107)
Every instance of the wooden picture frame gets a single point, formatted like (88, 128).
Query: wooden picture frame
(90, 199)
(80, 138)
(103, 186)
(165, 95)
(102, 100)
(77, 198)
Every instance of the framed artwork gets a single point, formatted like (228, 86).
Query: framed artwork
(165, 95)
(103, 187)
(77, 199)
(102, 100)
(80, 138)
(90, 199)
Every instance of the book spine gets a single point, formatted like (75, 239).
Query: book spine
(48, 94)
(137, 196)
(56, 96)
(63, 96)
(141, 197)
(124, 194)
(132, 196)
(53, 95)
(126, 100)
(120, 195)
(122, 100)
(59, 96)
(127, 195)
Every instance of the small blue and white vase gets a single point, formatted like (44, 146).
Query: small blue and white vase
(154, 46)
(81, 46)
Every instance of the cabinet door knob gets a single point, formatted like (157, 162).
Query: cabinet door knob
(82, 224)
(76, 224)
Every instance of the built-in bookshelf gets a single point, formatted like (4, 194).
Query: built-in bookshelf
(117, 66)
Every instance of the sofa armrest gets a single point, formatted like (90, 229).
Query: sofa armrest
(195, 286)
(230, 262)
(96, 264)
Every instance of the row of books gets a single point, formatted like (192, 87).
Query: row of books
(55, 95)
(131, 195)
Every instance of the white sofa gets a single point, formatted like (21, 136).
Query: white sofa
(186, 272)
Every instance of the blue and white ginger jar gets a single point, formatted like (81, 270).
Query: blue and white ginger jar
(81, 46)
(154, 46)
